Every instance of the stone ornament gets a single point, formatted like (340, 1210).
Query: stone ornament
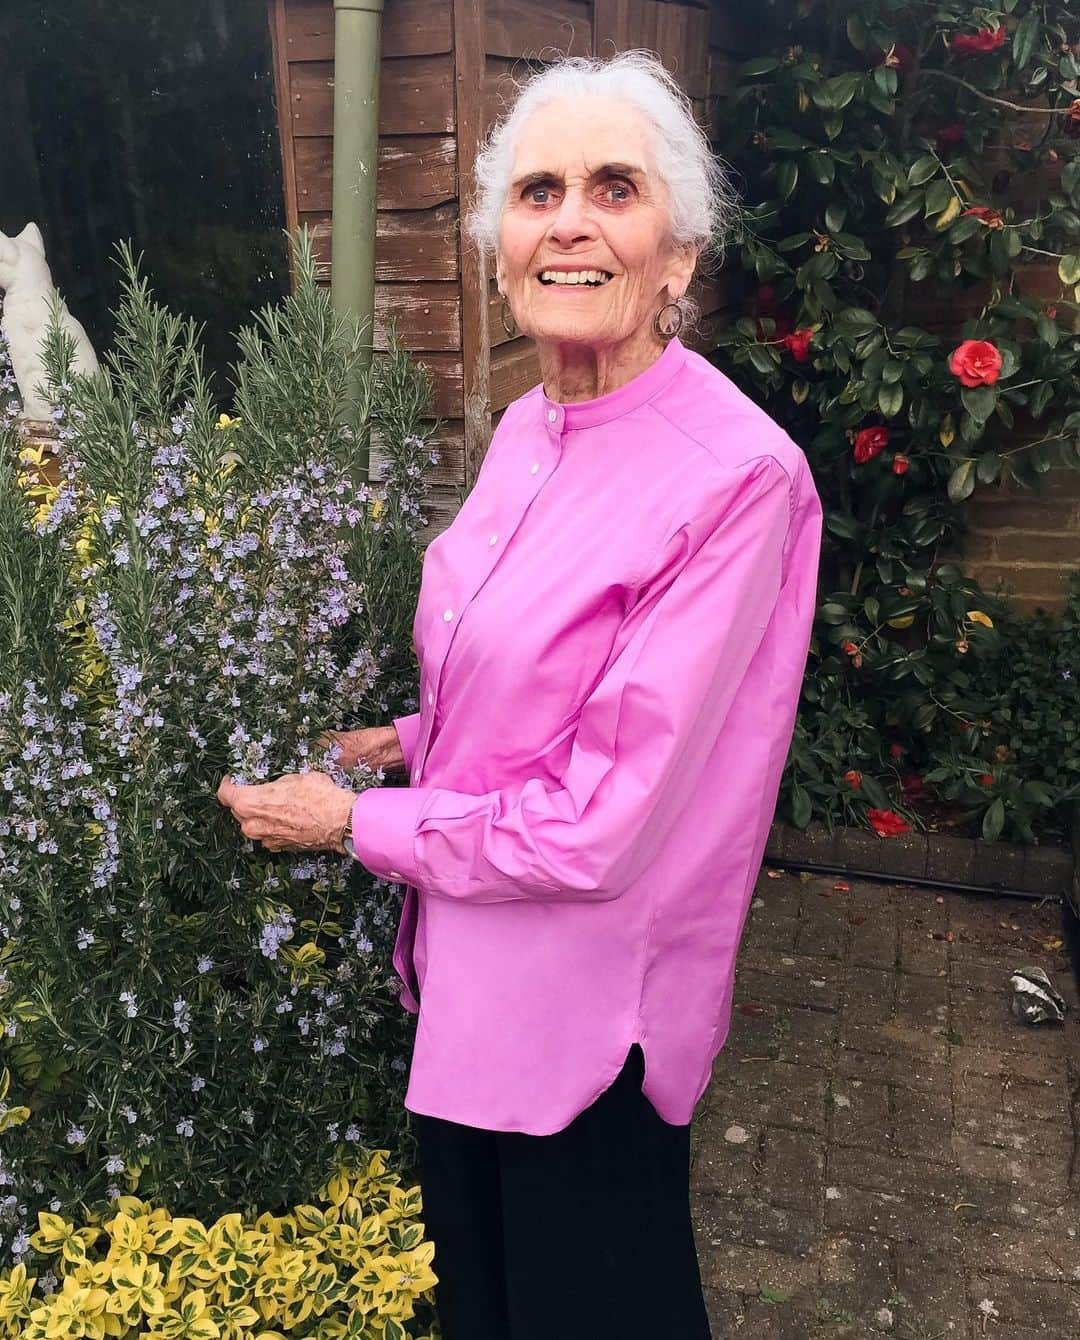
(28, 293)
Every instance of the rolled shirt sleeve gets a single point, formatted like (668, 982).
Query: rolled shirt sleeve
(643, 735)
(408, 730)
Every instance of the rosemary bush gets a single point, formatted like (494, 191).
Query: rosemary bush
(182, 1013)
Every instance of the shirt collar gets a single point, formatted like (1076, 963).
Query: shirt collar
(636, 392)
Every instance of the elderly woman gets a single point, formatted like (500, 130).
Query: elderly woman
(611, 637)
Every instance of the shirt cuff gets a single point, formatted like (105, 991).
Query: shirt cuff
(384, 820)
(408, 729)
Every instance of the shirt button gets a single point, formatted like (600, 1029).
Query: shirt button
(395, 874)
(448, 615)
(416, 775)
(492, 539)
(534, 467)
(430, 698)
(552, 415)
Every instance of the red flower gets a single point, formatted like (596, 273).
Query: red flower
(900, 464)
(991, 217)
(887, 823)
(868, 442)
(853, 779)
(798, 342)
(987, 779)
(849, 647)
(975, 44)
(1072, 120)
(897, 750)
(976, 362)
(951, 134)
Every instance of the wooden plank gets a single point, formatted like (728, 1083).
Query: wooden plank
(677, 32)
(415, 172)
(415, 27)
(502, 79)
(410, 244)
(515, 368)
(409, 28)
(427, 316)
(416, 96)
(277, 18)
(445, 373)
(468, 19)
(534, 30)
(309, 29)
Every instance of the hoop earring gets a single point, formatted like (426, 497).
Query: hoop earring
(668, 328)
(507, 317)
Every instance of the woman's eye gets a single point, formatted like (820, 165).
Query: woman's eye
(539, 195)
(617, 191)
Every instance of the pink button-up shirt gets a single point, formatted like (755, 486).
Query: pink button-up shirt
(611, 636)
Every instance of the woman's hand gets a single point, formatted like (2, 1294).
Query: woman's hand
(297, 812)
(377, 746)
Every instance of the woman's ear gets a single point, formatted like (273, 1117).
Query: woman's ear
(681, 270)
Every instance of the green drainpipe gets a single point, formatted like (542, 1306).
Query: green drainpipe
(357, 26)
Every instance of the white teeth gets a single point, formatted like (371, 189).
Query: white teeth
(574, 276)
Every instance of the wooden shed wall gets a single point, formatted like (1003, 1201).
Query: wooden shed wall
(448, 67)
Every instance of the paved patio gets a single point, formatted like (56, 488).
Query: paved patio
(883, 1149)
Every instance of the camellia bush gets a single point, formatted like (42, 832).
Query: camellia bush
(185, 1014)
(899, 157)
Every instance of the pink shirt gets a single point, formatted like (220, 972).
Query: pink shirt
(611, 636)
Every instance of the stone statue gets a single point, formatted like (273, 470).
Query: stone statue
(28, 291)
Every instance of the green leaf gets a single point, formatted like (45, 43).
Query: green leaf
(979, 401)
(938, 195)
(962, 482)
(1069, 269)
(989, 467)
(922, 169)
(822, 166)
(875, 792)
(1049, 331)
(890, 399)
(856, 32)
(787, 176)
(801, 806)
(885, 78)
(1028, 31)
(923, 716)
(758, 66)
(763, 360)
(904, 209)
(844, 526)
(994, 820)
(964, 228)
(835, 215)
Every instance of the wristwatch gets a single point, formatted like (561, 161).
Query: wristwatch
(347, 836)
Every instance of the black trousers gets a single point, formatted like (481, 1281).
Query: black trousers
(580, 1235)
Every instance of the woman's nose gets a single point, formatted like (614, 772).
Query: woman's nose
(571, 222)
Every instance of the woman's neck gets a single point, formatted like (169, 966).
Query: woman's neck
(573, 372)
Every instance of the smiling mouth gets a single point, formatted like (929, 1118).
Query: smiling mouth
(580, 278)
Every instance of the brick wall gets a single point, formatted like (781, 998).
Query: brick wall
(1026, 539)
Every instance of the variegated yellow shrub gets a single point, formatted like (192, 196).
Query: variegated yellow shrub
(355, 1267)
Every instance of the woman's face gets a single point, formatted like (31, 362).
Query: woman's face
(586, 202)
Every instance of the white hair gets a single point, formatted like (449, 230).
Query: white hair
(702, 200)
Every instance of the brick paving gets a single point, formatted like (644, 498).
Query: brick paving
(883, 1149)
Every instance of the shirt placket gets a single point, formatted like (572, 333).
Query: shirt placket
(506, 517)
